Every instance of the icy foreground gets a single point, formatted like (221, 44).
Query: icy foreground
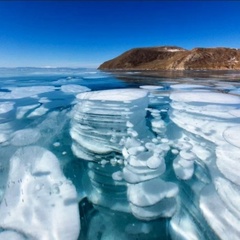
(202, 139)
(149, 162)
(39, 202)
(207, 117)
(120, 119)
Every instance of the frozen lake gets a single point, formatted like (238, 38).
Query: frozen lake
(124, 155)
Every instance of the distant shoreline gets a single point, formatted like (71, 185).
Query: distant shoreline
(176, 59)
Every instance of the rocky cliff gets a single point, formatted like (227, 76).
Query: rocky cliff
(175, 58)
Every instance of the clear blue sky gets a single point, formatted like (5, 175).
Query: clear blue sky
(81, 33)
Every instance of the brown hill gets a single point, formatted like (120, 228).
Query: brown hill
(175, 58)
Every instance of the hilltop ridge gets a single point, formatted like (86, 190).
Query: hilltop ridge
(175, 58)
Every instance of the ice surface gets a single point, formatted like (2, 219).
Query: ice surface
(235, 91)
(118, 95)
(73, 88)
(165, 208)
(24, 110)
(38, 112)
(25, 137)
(24, 92)
(10, 234)
(208, 119)
(100, 120)
(205, 97)
(231, 137)
(183, 168)
(187, 86)
(160, 159)
(151, 192)
(6, 107)
(151, 87)
(5, 131)
(39, 202)
(235, 112)
(229, 194)
(224, 223)
(149, 196)
(228, 162)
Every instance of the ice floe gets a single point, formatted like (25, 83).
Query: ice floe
(24, 92)
(25, 137)
(228, 162)
(6, 107)
(187, 86)
(73, 88)
(148, 193)
(205, 97)
(100, 120)
(39, 202)
(211, 118)
(151, 87)
(224, 223)
(231, 137)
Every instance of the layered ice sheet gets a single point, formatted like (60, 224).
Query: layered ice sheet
(208, 117)
(100, 118)
(113, 121)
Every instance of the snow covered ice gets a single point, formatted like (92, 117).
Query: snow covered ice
(88, 155)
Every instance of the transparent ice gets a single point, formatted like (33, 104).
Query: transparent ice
(90, 155)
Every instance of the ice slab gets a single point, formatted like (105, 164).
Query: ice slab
(24, 92)
(235, 112)
(73, 88)
(38, 112)
(24, 110)
(11, 235)
(101, 119)
(231, 136)
(114, 95)
(229, 194)
(205, 97)
(210, 110)
(25, 137)
(235, 91)
(38, 195)
(165, 208)
(6, 107)
(223, 222)
(151, 87)
(150, 192)
(182, 227)
(187, 86)
(6, 130)
(207, 128)
(228, 162)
